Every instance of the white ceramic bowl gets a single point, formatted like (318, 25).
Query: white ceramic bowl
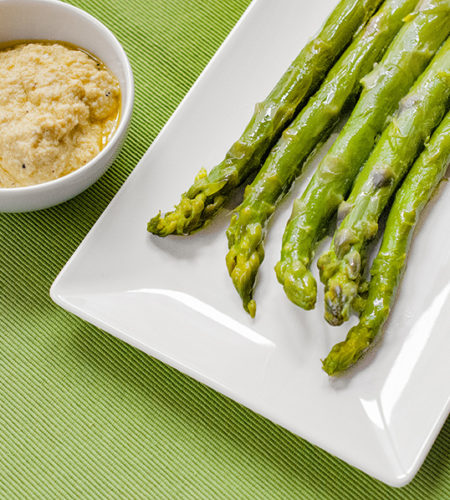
(54, 20)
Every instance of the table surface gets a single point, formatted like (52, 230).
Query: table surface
(83, 415)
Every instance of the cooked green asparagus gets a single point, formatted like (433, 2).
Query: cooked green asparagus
(418, 115)
(209, 191)
(388, 266)
(404, 61)
(313, 124)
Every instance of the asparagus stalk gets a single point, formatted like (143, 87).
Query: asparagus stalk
(313, 124)
(418, 115)
(209, 191)
(388, 267)
(404, 61)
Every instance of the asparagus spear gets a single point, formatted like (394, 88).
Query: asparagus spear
(419, 113)
(209, 191)
(388, 267)
(313, 124)
(404, 61)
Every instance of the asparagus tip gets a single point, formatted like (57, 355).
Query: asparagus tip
(250, 307)
(340, 294)
(187, 217)
(245, 255)
(153, 223)
(345, 354)
(300, 287)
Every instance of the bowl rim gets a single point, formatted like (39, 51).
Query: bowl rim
(127, 97)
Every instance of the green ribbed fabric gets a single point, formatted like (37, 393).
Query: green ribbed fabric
(83, 415)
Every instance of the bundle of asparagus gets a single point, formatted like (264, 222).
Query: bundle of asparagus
(389, 264)
(312, 126)
(419, 114)
(209, 191)
(392, 65)
(404, 61)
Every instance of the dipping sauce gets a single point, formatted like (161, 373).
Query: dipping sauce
(58, 108)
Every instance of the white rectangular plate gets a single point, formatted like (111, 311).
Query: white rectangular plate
(173, 298)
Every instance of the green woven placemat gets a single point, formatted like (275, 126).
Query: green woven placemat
(83, 415)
